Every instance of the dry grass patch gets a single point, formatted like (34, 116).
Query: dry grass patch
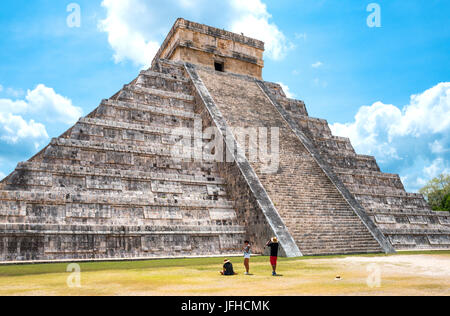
(404, 274)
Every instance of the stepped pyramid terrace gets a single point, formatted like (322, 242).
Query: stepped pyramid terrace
(119, 185)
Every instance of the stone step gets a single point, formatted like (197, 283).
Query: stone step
(196, 177)
(331, 146)
(169, 67)
(161, 94)
(405, 212)
(324, 220)
(61, 196)
(137, 96)
(293, 106)
(154, 80)
(392, 202)
(89, 129)
(375, 190)
(96, 183)
(71, 151)
(418, 232)
(366, 173)
(152, 116)
(338, 232)
(434, 227)
(38, 212)
(66, 215)
(338, 248)
(117, 161)
(353, 162)
(305, 225)
(315, 123)
(124, 126)
(336, 239)
(176, 77)
(310, 242)
(155, 97)
(145, 107)
(343, 244)
(323, 214)
(336, 229)
(330, 244)
(119, 230)
(320, 251)
(125, 152)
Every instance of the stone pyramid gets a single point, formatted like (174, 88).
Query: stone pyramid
(117, 185)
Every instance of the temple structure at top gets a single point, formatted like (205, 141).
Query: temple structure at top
(208, 46)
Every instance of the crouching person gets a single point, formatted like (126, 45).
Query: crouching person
(227, 268)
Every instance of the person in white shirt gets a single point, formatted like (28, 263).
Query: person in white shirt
(247, 255)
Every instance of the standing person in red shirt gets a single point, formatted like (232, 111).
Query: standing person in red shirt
(274, 245)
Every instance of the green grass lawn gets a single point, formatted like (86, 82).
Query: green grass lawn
(417, 273)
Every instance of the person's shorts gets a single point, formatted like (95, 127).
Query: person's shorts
(247, 256)
(273, 261)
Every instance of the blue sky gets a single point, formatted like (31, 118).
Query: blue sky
(387, 88)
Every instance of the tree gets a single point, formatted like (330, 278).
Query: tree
(437, 193)
(446, 203)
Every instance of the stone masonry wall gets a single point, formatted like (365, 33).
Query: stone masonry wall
(405, 218)
(110, 187)
(316, 214)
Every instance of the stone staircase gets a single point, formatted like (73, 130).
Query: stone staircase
(316, 214)
(111, 187)
(405, 218)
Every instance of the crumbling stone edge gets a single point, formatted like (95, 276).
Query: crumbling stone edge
(264, 203)
(357, 208)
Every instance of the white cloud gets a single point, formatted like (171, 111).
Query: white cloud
(15, 93)
(10, 92)
(254, 21)
(438, 167)
(428, 112)
(2, 175)
(438, 148)
(286, 90)
(14, 128)
(126, 37)
(369, 132)
(44, 103)
(11, 106)
(20, 130)
(136, 28)
(317, 64)
(413, 140)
